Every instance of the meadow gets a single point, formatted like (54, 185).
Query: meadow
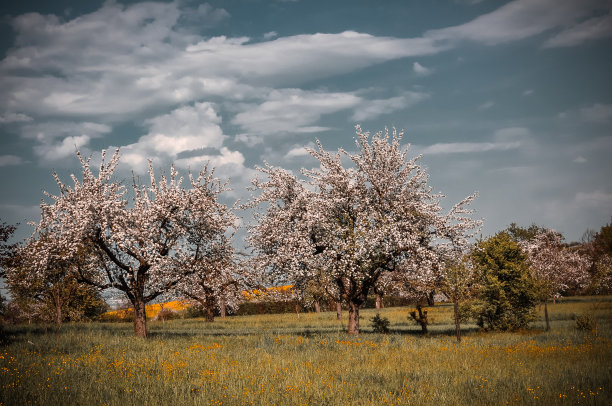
(310, 360)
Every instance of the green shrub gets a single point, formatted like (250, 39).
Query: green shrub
(586, 322)
(380, 324)
(507, 293)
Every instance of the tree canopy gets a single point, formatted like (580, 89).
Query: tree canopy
(356, 222)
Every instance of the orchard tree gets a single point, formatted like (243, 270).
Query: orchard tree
(555, 268)
(357, 222)
(56, 287)
(457, 283)
(7, 249)
(217, 283)
(317, 289)
(144, 242)
(598, 246)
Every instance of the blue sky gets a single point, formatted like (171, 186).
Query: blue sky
(512, 99)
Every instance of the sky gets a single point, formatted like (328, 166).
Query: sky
(512, 99)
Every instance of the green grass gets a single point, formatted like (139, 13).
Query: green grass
(283, 360)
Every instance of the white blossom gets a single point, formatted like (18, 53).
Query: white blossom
(355, 223)
(145, 242)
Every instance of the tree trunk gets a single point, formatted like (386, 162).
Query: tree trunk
(58, 310)
(431, 298)
(338, 310)
(209, 308)
(317, 307)
(378, 301)
(546, 316)
(140, 317)
(209, 315)
(297, 310)
(457, 324)
(353, 324)
(222, 308)
(422, 318)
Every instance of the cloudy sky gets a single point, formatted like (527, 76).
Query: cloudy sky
(512, 99)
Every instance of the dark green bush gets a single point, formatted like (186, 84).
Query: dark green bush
(380, 324)
(586, 322)
(507, 294)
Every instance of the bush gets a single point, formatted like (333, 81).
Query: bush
(168, 314)
(507, 294)
(586, 322)
(380, 324)
(193, 312)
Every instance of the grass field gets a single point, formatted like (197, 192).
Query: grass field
(283, 360)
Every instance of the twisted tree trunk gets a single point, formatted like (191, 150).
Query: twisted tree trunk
(140, 317)
(422, 318)
(353, 324)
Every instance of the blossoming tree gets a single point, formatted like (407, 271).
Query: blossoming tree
(217, 283)
(145, 242)
(356, 222)
(555, 268)
(52, 282)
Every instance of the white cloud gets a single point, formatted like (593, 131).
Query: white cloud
(206, 14)
(299, 151)
(292, 111)
(591, 29)
(187, 128)
(597, 113)
(191, 137)
(518, 20)
(420, 69)
(594, 200)
(528, 92)
(225, 157)
(579, 159)
(249, 139)
(270, 35)
(468, 147)
(504, 139)
(369, 109)
(133, 58)
(63, 149)
(297, 111)
(486, 105)
(71, 136)
(8, 118)
(10, 160)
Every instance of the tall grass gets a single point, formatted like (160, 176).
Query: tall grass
(283, 360)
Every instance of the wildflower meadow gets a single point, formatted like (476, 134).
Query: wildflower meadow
(311, 360)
